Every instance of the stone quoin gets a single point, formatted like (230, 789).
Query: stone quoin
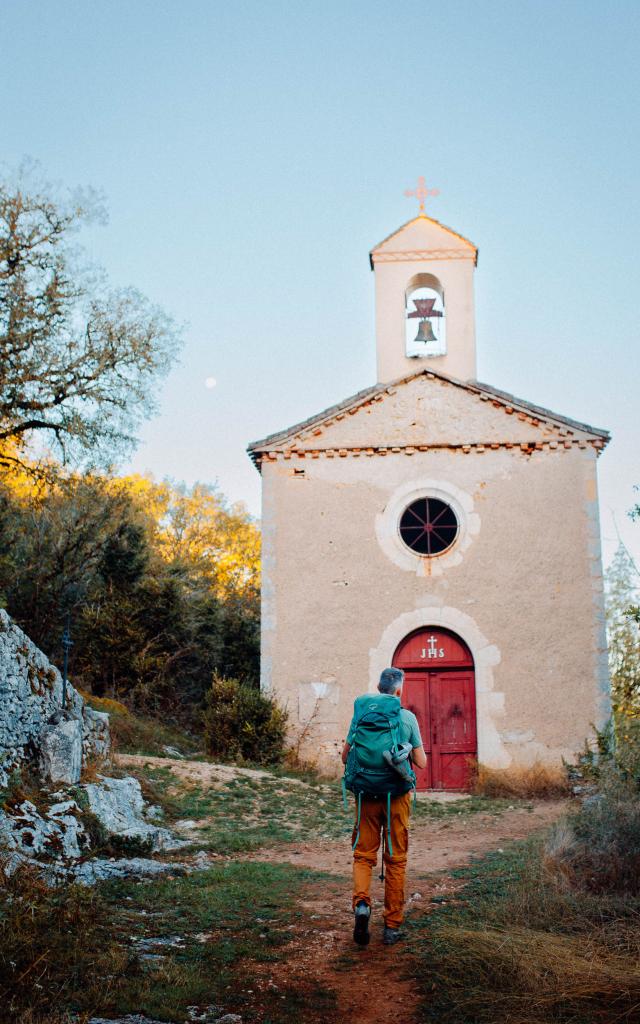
(440, 524)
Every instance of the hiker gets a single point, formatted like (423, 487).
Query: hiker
(383, 740)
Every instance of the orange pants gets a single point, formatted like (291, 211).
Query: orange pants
(373, 819)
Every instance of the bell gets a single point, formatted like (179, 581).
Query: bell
(425, 331)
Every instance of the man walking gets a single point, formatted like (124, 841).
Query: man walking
(380, 721)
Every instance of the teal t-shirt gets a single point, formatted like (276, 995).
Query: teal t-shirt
(409, 728)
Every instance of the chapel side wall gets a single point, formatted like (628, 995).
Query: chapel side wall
(529, 585)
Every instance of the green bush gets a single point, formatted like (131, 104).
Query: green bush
(241, 724)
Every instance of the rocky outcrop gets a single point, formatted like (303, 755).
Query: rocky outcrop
(32, 719)
(119, 806)
(107, 815)
(67, 827)
(60, 751)
(27, 833)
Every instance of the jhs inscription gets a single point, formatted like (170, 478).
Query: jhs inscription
(432, 650)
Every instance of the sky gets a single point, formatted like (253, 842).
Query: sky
(252, 154)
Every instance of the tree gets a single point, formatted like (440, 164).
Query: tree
(623, 634)
(151, 620)
(77, 359)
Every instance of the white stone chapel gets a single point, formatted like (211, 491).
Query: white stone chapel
(441, 525)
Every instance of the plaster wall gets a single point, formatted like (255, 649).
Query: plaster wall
(429, 410)
(525, 592)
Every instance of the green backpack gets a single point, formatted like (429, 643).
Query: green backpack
(377, 728)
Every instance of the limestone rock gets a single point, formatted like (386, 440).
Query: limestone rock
(61, 749)
(31, 834)
(100, 869)
(119, 806)
(30, 695)
(131, 1018)
(96, 740)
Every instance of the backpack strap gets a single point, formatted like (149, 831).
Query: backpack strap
(389, 843)
(344, 795)
(358, 822)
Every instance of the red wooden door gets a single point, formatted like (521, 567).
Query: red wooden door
(453, 728)
(440, 690)
(415, 697)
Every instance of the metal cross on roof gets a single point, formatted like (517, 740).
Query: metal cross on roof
(421, 192)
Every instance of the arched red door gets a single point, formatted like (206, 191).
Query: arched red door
(440, 689)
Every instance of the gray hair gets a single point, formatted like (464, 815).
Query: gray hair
(390, 680)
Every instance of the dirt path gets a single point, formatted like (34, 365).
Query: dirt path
(373, 985)
(198, 772)
(436, 845)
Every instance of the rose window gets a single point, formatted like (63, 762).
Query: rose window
(428, 526)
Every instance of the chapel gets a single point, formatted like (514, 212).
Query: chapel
(441, 525)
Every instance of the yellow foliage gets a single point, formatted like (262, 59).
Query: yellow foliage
(194, 527)
(197, 528)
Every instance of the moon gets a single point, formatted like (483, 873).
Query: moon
(210, 382)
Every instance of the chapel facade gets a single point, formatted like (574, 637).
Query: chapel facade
(441, 525)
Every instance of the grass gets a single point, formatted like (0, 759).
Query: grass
(537, 781)
(473, 804)
(513, 947)
(245, 813)
(135, 734)
(75, 950)
(51, 944)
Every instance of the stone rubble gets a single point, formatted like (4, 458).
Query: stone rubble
(196, 1015)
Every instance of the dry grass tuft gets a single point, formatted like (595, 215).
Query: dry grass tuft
(536, 781)
(108, 704)
(531, 975)
(52, 941)
(598, 849)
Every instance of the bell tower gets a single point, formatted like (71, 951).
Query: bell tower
(425, 314)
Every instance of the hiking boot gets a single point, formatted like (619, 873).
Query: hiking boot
(361, 929)
(391, 935)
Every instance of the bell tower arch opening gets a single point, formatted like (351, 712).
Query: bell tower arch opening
(426, 323)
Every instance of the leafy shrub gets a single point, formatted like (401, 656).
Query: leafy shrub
(627, 748)
(241, 723)
(521, 782)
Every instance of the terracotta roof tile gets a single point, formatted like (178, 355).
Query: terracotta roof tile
(484, 392)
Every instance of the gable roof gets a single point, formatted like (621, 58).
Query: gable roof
(483, 391)
(432, 220)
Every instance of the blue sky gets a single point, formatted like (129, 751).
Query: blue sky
(252, 154)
